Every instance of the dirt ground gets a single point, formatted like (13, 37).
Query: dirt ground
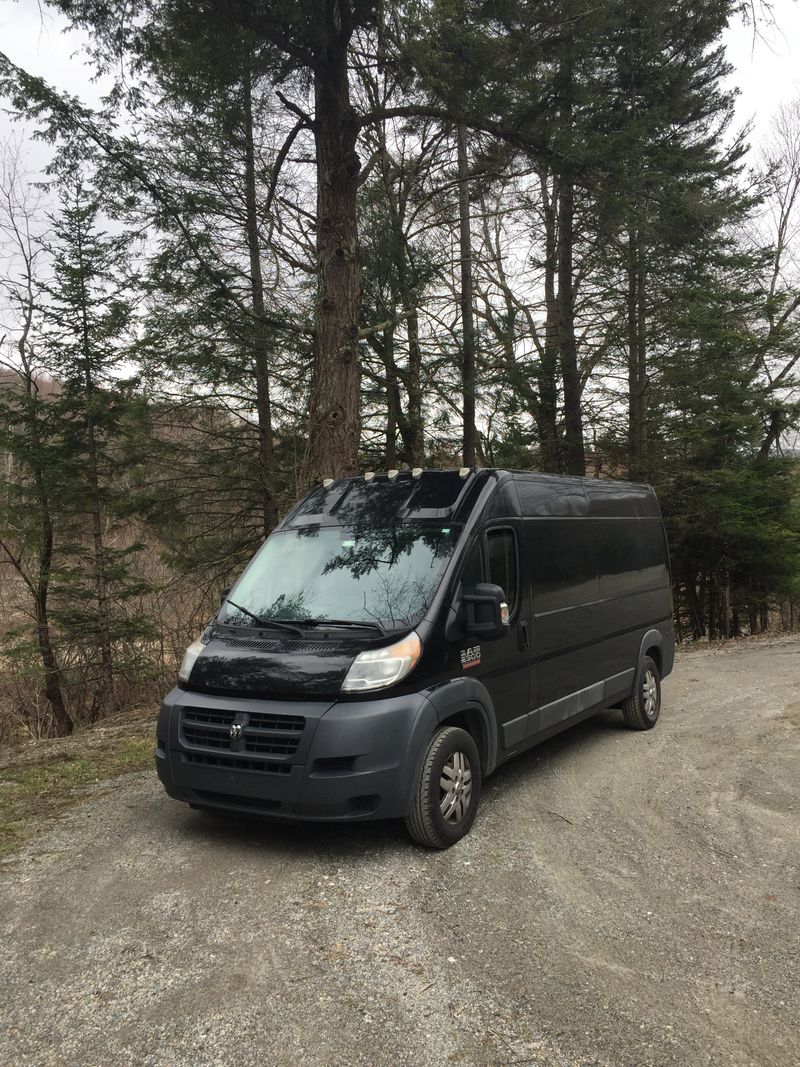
(624, 899)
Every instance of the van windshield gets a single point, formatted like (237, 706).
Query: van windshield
(385, 575)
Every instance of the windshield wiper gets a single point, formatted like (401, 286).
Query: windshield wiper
(276, 624)
(344, 622)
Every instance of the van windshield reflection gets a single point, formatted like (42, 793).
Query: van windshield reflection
(383, 575)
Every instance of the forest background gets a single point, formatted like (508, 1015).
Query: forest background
(308, 238)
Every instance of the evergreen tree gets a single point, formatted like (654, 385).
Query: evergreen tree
(86, 316)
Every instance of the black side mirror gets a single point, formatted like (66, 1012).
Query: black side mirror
(486, 612)
(224, 593)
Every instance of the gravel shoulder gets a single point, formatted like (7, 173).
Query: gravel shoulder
(624, 900)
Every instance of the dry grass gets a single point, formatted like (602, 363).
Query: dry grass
(41, 780)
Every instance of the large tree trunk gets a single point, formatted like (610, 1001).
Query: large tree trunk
(547, 413)
(467, 313)
(637, 360)
(266, 461)
(334, 420)
(573, 454)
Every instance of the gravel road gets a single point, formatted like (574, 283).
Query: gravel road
(623, 899)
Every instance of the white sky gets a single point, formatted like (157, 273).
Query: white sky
(767, 68)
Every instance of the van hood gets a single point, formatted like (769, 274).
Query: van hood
(273, 667)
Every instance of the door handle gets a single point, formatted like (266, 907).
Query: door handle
(523, 635)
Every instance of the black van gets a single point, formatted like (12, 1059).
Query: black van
(400, 635)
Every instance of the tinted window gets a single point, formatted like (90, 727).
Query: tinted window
(543, 495)
(437, 489)
(502, 556)
(619, 499)
(563, 563)
(473, 569)
(631, 556)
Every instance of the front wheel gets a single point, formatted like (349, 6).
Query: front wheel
(641, 709)
(448, 791)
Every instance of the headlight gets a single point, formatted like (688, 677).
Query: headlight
(378, 667)
(189, 660)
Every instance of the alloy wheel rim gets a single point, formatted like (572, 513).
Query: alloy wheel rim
(455, 788)
(650, 694)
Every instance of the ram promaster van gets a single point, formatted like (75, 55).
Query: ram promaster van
(401, 635)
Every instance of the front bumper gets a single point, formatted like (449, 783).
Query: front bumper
(317, 760)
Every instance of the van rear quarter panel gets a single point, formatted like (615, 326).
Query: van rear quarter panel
(600, 583)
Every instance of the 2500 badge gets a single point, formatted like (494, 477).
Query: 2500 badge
(470, 657)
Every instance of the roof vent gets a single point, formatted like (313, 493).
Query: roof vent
(391, 475)
(463, 472)
(417, 472)
(328, 482)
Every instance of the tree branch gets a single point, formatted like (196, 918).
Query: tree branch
(24, 88)
(280, 159)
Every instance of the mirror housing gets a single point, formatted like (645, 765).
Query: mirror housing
(486, 612)
(224, 593)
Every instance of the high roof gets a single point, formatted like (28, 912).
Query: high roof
(391, 497)
(450, 496)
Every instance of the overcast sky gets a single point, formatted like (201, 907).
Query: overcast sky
(766, 68)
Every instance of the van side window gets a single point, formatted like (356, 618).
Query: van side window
(473, 570)
(502, 552)
(564, 568)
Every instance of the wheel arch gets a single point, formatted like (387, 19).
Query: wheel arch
(473, 721)
(465, 702)
(651, 645)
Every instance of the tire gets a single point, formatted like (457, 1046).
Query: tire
(441, 816)
(640, 711)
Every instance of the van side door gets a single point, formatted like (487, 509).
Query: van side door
(567, 664)
(502, 665)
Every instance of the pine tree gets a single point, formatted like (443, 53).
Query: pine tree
(85, 320)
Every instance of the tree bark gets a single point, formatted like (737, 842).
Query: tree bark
(547, 414)
(390, 456)
(52, 675)
(266, 459)
(334, 418)
(467, 313)
(637, 360)
(573, 453)
(404, 294)
(414, 438)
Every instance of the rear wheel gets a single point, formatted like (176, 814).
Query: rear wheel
(448, 791)
(642, 707)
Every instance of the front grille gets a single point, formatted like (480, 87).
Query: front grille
(262, 733)
(206, 759)
(199, 735)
